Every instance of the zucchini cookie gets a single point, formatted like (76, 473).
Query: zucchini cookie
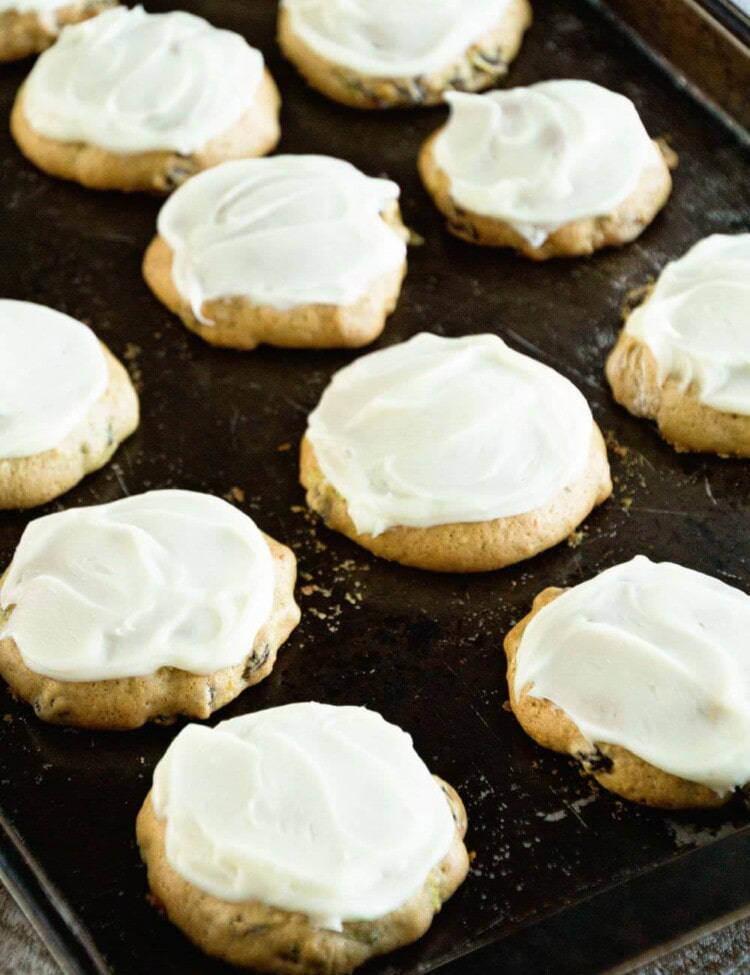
(293, 251)
(137, 101)
(30, 26)
(456, 455)
(390, 53)
(66, 404)
(157, 605)
(324, 840)
(683, 358)
(642, 674)
(558, 169)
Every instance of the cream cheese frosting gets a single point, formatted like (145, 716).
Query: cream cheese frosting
(541, 157)
(284, 231)
(130, 82)
(443, 430)
(52, 371)
(393, 38)
(164, 579)
(653, 657)
(324, 810)
(696, 322)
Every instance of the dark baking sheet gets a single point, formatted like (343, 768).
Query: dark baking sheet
(424, 650)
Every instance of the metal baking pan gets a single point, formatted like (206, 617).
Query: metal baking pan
(565, 877)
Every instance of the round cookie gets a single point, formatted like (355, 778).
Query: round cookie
(30, 26)
(137, 101)
(157, 605)
(683, 357)
(642, 675)
(325, 841)
(66, 404)
(558, 169)
(386, 53)
(292, 251)
(456, 455)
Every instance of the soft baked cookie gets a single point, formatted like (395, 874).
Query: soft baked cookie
(558, 169)
(138, 101)
(324, 840)
(30, 26)
(683, 358)
(641, 674)
(160, 604)
(457, 455)
(66, 404)
(293, 251)
(389, 53)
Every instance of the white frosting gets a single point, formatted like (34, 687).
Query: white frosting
(52, 371)
(163, 579)
(540, 157)
(696, 322)
(324, 810)
(437, 430)
(32, 6)
(133, 82)
(654, 658)
(285, 231)
(393, 38)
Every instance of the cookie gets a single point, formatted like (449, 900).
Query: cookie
(293, 251)
(386, 53)
(683, 358)
(66, 404)
(642, 675)
(137, 101)
(324, 840)
(30, 26)
(558, 169)
(157, 605)
(456, 455)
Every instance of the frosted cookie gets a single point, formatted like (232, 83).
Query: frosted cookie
(558, 169)
(30, 26)
(138, 101)
(66, 404)
(683, 358)
(457, 455)
(324, 840)
(160, 604)
(294, 251)
(387, 53)
(643, 675)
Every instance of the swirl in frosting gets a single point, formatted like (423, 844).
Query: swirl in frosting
(438, 430)
(284, 231)
(393, 38)
(652, 657)
(696, 322)
(163, 579)
(324, 810)
(52, 371)
(540, 157)
(131, 82)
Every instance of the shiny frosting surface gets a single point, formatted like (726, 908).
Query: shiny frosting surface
(283, 231)
(393, 38)
(130, 82)
(52, 371)
(324, 810)
(540, 157)
(163, 579)
(696, 322)
(442, 430)
(655, 658)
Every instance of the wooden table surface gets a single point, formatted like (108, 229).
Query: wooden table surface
(723, 952)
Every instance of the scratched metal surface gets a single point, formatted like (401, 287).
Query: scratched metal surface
(424, 650)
